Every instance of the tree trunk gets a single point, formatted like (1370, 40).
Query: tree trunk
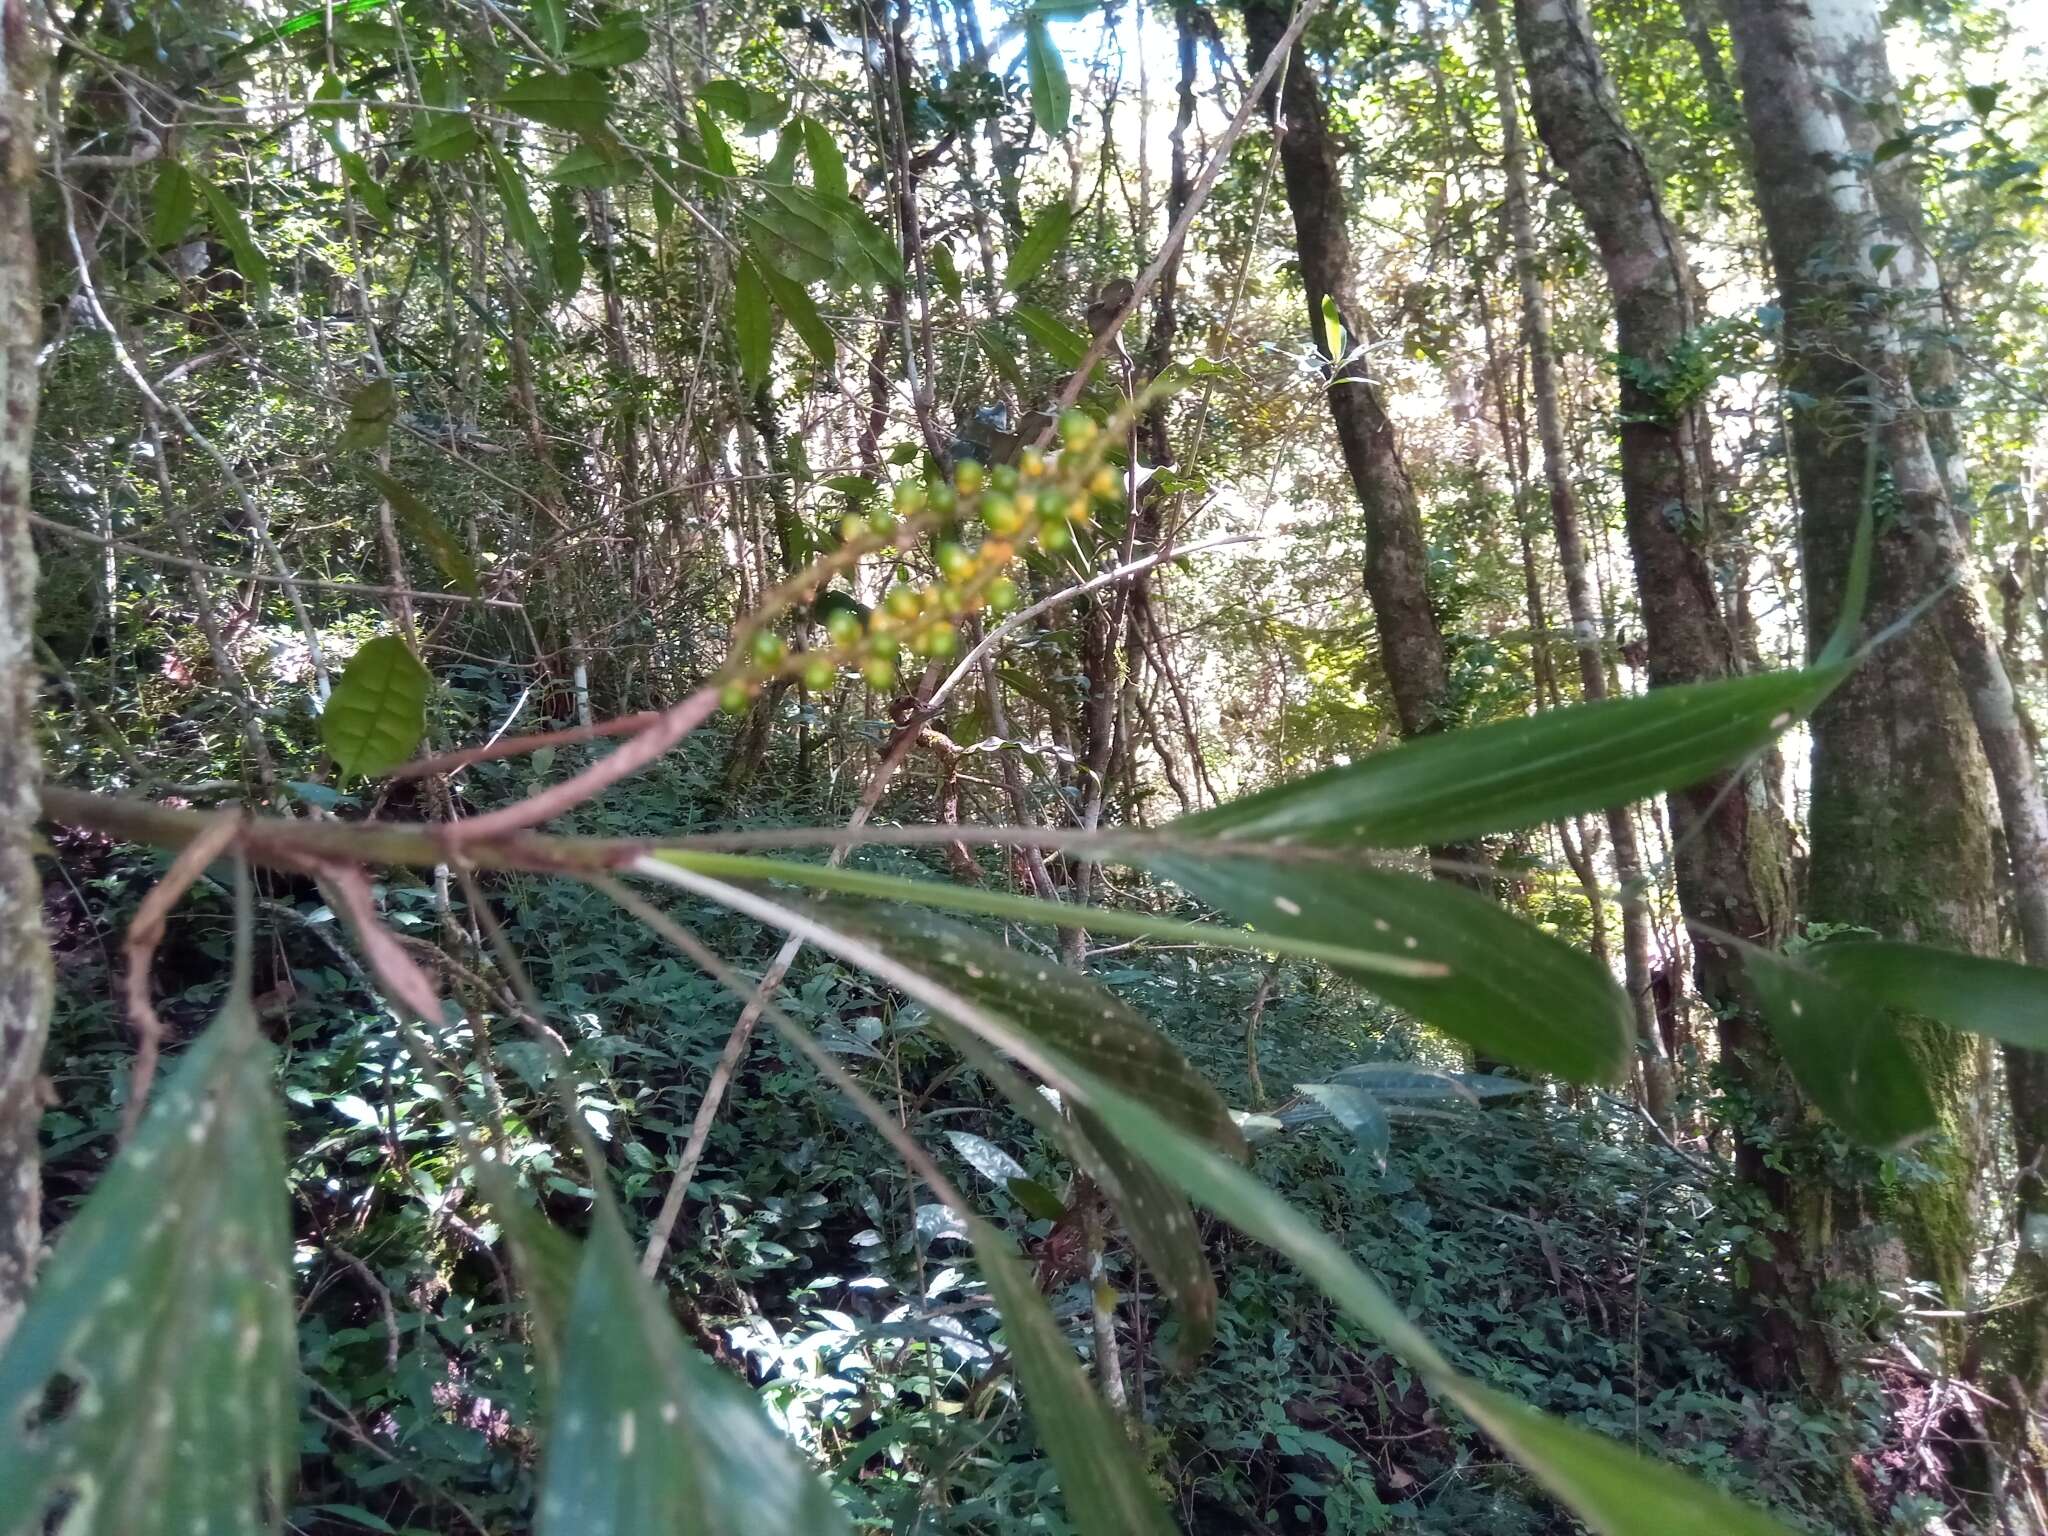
(1900, 837)
(25, 972)
(1730, 860)
(1659, 1088)
(1396, 554)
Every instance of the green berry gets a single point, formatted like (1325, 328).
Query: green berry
(1053, 537)
(881, 522)
(1003, 477)
(956, 560)
(1077, 427)
(734, 698)
(820, 675)
(767, 647)
(1001, 513)
(941, 641)
(904, 602)
(880, 673)
(967, 477)
(852, 528)
(942, 498)
(1003, 595)
(909, 498)
(843, 625)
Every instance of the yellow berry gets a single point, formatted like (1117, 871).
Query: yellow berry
(996, 554)
(1001, 513)
(1030, 463)
(1077, 509)
(967, 477)
(903, 602)
(1106, 483)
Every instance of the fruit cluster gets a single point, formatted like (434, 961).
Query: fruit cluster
(1036, 502)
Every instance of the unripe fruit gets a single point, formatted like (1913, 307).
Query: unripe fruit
(1077, 427)
(1003, 477)
(904, 602)
(880, 673)
(909, 498)
(734, 698)
(882, 522)
(942, 641)
(967, 477)
(767, 647)
(942, 498)
(852, 528)
(843, 625)
(1031, 463)
(1003, 595)
(955, 560)
(996, 554)
(1073, 465)
(1053, 537)
(1002, 514)
(1077, 509)
(820, 675)
(1027, 505)
(1106, 483)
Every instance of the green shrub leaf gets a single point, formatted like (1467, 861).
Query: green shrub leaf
(1052, 100)
(1040, 244)
(446, 551)
(378, 711)
(1845, 1048)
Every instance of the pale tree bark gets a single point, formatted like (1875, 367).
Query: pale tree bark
(1659, 1087)
(1901, 841)
(25, 972)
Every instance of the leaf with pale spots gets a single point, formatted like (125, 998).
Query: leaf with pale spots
(1504, 986)
(1517, 773)
(1015, 1000)
(1105, 1486)
(651, 1437)
(149, 1389)
(1845, 1047)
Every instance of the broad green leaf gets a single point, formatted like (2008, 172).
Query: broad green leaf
(1000, 352)
(551, 23)
(447, 552)
(1517, 773)
(946, 270)
(802, 314)
(333, 102)
(1038, 1201)
(594, 163)
(1101, 1480)
(154, 1370)
(1333, 329)
(443, 128)
(1067, 345)
(1357, 1111)
(797, 249)
(578, 101)
(1040, 244)
(521, 222)
(1845, 1048)
(752, 324)
(378, 712)
(370, 415)
(753, 109)
(949, 897)
(1504, 987)
(649, 1436)
(621, 39)
(828, 164)
(781, 166)
(235, 234)
(174, 201)
(1052, 99)
(367, 189)
(718, 158)
(1998, 998)
(837, 229)
(985, 1157)
(565, 239)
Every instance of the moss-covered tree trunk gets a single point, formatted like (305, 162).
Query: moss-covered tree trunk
(25, 977)
(1728, 838)
(1900, 831)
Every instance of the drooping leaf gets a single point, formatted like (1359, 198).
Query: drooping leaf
(946, 270)
(370, 415)
(1037, 1200)
(649, 1436)
(234, 232)
(1397, 1080)
(1357, 1111)
(1517, 773)
(1000, 352)
(443, 128)
(797, 308)
(154, 1368)
(1845, 1048)
(619, 40)
(1052, 100)
(828, 164)
(521, 222)
(752, 324)
(717, 153)
(1040, 244)
(565, 239)
(551, 23)
(752, 108)
(1504, 987)
(1101, 1480)
(1067, 345)
(1333, 329)
(446, 550)
(578, 101)
(378, 712)
(789, 147)
(594, 163)
(366, 188)
(1998, 998)
(174, 201)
